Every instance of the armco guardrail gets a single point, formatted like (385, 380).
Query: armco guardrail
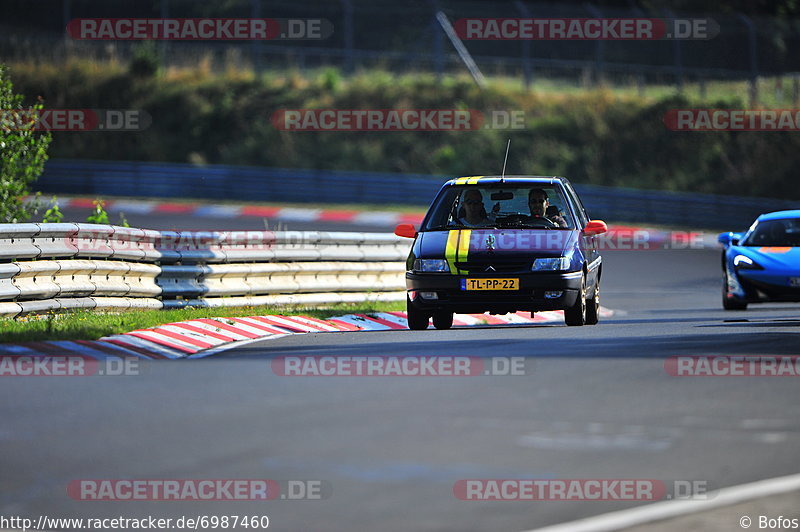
(51, 267)
(247, 183)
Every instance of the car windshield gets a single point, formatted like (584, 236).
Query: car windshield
(775, 233)
(531, 206)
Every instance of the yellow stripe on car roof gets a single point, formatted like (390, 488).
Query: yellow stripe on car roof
(470, 180)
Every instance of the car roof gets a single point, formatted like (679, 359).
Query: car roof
(779, 215)
(510, 179)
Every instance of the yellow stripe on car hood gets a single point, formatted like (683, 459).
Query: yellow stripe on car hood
(457, 249)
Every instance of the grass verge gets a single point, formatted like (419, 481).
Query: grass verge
(88, 325)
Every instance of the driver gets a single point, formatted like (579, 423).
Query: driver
(538, 203)
(473, 213)
(777, 234)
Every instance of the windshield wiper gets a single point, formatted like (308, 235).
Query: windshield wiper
(447, 227)
(523, 225)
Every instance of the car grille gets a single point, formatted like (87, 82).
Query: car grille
(499, 267)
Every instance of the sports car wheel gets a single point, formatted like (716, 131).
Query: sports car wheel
(417, 320)
(593, 306)
(442, 320)
(576, 314)
(730, 303)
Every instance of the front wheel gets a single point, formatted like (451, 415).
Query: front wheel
(730, 303)
(417, 320)
(576, 314)
(593, 306)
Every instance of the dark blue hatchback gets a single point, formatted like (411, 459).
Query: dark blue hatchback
(503, 244)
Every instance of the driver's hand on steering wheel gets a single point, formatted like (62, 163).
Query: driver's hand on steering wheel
(558, 220)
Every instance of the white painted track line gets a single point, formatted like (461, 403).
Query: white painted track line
(668, 509)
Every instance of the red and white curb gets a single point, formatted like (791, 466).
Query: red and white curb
(204, 337)
(283, 214)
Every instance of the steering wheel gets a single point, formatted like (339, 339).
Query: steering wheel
(517, 218)
(544, 220)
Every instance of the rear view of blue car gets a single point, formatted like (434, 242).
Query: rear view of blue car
(763, 264)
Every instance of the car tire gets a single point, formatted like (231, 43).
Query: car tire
(730, 303)
(593, 306)
(417, 320)
(442, 319)
(575, 315)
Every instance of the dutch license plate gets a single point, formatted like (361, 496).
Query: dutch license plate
(490, 284)
(794, 281)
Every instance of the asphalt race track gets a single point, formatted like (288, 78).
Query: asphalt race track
(596, 402)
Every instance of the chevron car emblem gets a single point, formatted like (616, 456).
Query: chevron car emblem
(490, 269)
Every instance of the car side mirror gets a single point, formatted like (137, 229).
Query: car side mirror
(595, 227)
(729, 239)
(406, 231)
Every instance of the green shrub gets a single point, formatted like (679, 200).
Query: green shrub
(23, 152)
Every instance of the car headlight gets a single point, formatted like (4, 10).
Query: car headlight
(743, 262)
(431, 266)
(550, 264)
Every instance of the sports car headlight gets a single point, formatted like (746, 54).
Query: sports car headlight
(550, 264)
(431, 266)
(743, 262)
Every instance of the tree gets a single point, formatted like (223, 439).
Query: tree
(23, 151)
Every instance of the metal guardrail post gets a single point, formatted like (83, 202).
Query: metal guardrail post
(349, 62)
(438, 43)
(678, 52)
(752, 40)
(527, 70)
(164, 4)
(600, 47)
(255, 47)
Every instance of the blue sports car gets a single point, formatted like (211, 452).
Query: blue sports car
(763, 264)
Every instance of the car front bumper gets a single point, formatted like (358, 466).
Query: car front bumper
(764, 287)
(530, 296)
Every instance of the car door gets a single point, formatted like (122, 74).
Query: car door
(588, 242)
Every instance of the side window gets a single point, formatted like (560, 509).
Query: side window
(441, 210)
(556, 198)
(580, 211)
